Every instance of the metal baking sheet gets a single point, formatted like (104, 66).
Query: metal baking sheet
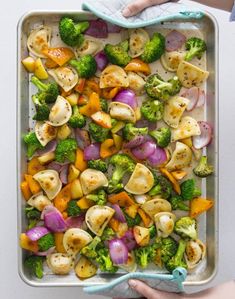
(208, 222)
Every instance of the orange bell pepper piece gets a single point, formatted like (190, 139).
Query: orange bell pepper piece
(137, 65)
(122, 199)
(114, 224)
(82, 100)
(170, 177)
(179, 174)
(59, 55)
(132, 210)
(145, 218)
(34, 166)
(200, 205)
(33, 184)
(80, 163)
(80, 85)
(27, 244)
(62, 198)
(91, 86)
(92, 106)
(24, 186)
(85, 203)
(110, 93)
(103, 119)
(59, 242)
(107, 148)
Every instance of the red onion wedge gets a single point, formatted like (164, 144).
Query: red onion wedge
(45, 253)
(112, 28)
(98, 29)
(75, 222)
(206, 135)
(118, 251)
(37, 232)
(55, 166)
(101, 60)
(201, 98)
(126, 96)
(138, 140)
(64, 174)
(118, 213)
(92, 152)
(158, 157)
(53, 219)
(144, 151)
(144, 123)
(50, 147)
(129, 240)
(174, 40)
(82, 138)
(192, 94)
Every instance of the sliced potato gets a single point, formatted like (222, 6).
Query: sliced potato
(46, 158)
(165, 222)
(122, 111)
(64, 132)
(141, 235)
(73, 173)
(39, 70)
(141, 180)
(85, 268)
(97, 218)
(38, 40)
(194, 253)
(181, 157)
(113, 76)
(156, 205)
(187, 127)
(92, 179)
(171, 60)
(29, 64)
(136, 82)
(76, 189)
(60, 112)
(49, 181)
(90, 46)
(75, 239)
(45, 132)
(73, 98)
(65, 76)
(59, 263)
(39, 201)
(173, 110)
(138, 38)
(191, 75)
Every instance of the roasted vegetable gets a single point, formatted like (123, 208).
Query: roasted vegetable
(98, 165)
(98, 133)
(130, 132)
(178, 259)
(100, 198)
(46, 242)
(162, 135)
(168, 248)
(189, 190)
(152, 110)
(117, 54)
(195, 48)
(90, 250)
(73, 209)
(145, 255)
(42, 109)
(66, 150)
(86, 66)
(186, 227)
(32, 143)
(177, 203)
(47, 92)
(104, 261)
(131, 222)
(154, 49)
(35, 265)
(33, 215)
(203, 169)
(108, 234)
(162, 187)
(77, 120)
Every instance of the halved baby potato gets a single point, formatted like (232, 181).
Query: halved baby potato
(187, 127)
(122, 111)
(75, 239)
(38, 40)
(194, 253)
(60, 112)
(141, 235)
(92, 179)
(138, 38)
(85, 268)
(113, 76)
(59, 263)
(174, 108)
(89, 46)
(156, 205)
(136, 82)
(97, 218)
(164, 222)
(171, 60)
(141, 180)
(181, 157)
(65, 76)
(39, 201)
(49, 181)
(45, 132)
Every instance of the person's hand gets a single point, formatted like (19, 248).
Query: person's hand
(137, 6)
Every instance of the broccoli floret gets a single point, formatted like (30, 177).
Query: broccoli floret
(70, 33)
(195, 48)
(130, 131)
(117, 54)
(124, 45)
(66, 150)
(86, 66)
(42, 109)
(104, 260)
(33, 216)
(122, 164)
(35, 264)
(203, 169)
(99, 198)
(157, 88)
(104, 105)
(189, 190)
(162, 135)
(73, 209)
(108, 234)
(163, 188)
(145, 255)
(168, 248)
(154, 48)
(48, 91)
(177, 203)
(131, 222)
(152, 231)
(178, 259)
(186, 227)
(90, 250)
(77, 120)
(32, 143)
(152, 110)
(98, 165)
(46, 242)
(98, 133)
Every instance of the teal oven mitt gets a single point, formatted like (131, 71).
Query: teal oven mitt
(119, 287)
(111, 11)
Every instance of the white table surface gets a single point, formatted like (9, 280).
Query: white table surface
(11, 286)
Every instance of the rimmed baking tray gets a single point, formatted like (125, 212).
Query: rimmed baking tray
(208, 222)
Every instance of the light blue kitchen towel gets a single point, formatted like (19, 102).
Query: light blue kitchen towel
(119, 287)
(111, 11)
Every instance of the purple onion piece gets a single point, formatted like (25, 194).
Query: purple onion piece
(45, 253)
(64, 174)
(112, 28)
(54, 221)
(98, 28)
(36, 232)
(126, 96)
(158, 157)
(118, 213)
(135, 142)
(129, 240)
(54, 166)
(50, 147)
(92, 151)
(144, 123)
(82, 138)
(118, 251)
(76, 221)
(101, 60)
(144, 150)
(205, 137)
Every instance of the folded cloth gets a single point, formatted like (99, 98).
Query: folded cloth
(111, 11)
(119, 287)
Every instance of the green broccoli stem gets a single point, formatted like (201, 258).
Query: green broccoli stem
(180, 251)
(39, 84)
(189, 56)
(155, 190)
(197, 192)
(82, 26)
(117, 175)
(144, 260)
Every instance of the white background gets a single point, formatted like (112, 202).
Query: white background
(11, 285)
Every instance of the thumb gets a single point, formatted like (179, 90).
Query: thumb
(143, 289)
